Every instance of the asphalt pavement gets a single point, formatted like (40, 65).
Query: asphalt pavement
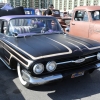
(86, 87)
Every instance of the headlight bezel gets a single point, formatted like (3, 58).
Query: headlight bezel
(48, 66)
(34, 68)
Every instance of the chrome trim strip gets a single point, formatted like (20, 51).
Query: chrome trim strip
(28, 61)
(90, 56)
(75, 61)
(6, 64)
(42, 80)
(92, 48)
(13, 56)
(74, 45)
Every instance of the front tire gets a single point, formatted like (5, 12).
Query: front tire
(23, 82)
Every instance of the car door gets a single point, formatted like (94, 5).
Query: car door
(80, 24)
(1, 39)
(4, 31)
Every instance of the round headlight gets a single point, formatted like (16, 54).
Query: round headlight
(51, 66)
(98, 56)
(38, 68)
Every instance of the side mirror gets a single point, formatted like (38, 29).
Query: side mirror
(67, 29)
(5, 30)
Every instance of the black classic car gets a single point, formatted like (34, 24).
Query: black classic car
(40, 51)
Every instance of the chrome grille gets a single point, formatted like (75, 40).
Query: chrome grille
(77, 61)
(71, 64)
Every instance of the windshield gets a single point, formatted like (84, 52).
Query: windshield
(95, 15)
(34, 26)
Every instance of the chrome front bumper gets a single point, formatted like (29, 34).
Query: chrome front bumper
(42, 80)
(39, 81)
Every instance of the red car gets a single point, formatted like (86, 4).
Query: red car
(86, 22)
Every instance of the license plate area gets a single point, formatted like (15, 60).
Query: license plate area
(77, 74)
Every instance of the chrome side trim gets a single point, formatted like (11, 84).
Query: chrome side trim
(90, 56)
(6, 64)
(28, 61)
(76, 61)
(92, 48)
(74, 45)
(42, 80)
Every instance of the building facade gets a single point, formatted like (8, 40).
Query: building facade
(71, 4)
(24, 3)
(4, 1)
(58, 4)
(29, 3)
(42, 3)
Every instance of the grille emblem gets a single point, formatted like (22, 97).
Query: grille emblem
(80, 60)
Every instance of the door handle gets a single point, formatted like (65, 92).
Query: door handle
(73, 24)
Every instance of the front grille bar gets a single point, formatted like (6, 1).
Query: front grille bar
(77, 61)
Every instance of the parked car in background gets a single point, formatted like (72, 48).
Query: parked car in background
(40, 51)
(29, 11)
(64, 21)
(86, 22)
(13, 11)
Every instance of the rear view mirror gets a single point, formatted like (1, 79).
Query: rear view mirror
(68, 28)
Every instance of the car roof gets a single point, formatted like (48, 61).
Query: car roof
(21, 16)
(88, 8)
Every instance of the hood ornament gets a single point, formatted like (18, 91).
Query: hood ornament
(80, 60)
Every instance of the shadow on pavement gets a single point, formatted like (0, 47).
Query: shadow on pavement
(67, 89)
(8, 90)
(72, 89)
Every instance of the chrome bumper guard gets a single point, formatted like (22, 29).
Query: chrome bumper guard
(39, 81)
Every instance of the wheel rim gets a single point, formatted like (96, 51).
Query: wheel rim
(20, 75)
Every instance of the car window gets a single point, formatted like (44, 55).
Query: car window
(95, 15)
(34, 25)
(56, 13)
(85, 16)
(81, 16)
(4, 27)
(0, 25)
(78, 15)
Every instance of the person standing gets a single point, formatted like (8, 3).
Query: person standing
(49, 11)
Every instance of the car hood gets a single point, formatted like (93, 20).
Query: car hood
(51, 45)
